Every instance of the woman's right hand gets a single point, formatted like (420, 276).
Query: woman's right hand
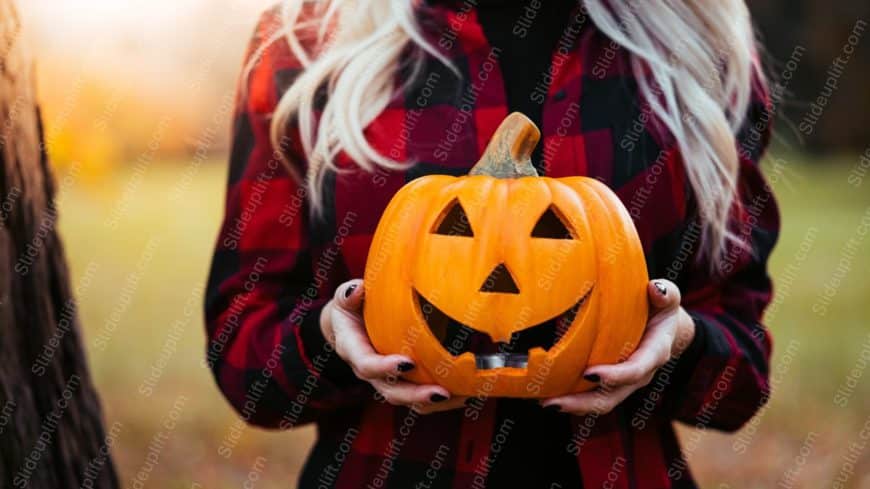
(342, 325)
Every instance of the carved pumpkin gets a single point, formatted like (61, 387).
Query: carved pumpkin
(503, 283)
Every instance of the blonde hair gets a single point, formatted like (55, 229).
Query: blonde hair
(693, 61)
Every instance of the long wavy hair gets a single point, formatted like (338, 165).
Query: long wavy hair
(694, 61)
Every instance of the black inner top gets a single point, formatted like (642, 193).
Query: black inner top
(526, 33)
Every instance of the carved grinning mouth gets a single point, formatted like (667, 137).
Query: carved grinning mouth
(458, 338)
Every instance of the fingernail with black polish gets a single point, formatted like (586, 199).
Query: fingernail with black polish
(661, 288)
(553, 408)
(437, 398)
(349, 291)
(592, 378)
(406, 367)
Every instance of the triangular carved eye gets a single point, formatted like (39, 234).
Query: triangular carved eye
(454, 221)
(551, 226)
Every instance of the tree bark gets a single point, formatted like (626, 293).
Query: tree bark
(51, 429)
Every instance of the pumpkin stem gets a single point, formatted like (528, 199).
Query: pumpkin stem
(508, 154)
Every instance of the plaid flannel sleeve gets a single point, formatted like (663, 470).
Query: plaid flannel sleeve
(266, 290)
(723, 375)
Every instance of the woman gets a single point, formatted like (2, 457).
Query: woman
(344, 102)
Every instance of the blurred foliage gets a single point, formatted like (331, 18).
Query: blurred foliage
(110, 81)
(121, 85)
(818, 31)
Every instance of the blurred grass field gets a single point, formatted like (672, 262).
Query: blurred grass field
(139, 244)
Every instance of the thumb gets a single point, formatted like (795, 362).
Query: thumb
(349, 296)
(663, 294)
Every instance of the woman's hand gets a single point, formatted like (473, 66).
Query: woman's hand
(342, 325)
(668, 333)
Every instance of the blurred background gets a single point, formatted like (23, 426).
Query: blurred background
(136, 101)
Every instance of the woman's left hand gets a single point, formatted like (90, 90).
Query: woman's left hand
(668, 333)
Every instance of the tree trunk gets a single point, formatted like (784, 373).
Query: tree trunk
(51, 431)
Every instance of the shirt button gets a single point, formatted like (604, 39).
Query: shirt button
(559, 95)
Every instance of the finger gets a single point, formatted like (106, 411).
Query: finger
(653, 352)
(663, 294)
(349, 296)
(370, 366)
(402, 393)
(599, 401)
(352, 344)
(434, 407)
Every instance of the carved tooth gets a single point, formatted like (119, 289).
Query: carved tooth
(465, 361)
(501, 336)
(537, 359)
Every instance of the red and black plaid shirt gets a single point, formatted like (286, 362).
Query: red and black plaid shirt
(275, 267)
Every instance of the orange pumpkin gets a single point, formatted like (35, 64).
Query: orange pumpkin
(503, 283)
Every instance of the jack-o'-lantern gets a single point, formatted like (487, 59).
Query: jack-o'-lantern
(503, 283)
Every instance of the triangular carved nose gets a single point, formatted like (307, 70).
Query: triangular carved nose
(500, 280)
